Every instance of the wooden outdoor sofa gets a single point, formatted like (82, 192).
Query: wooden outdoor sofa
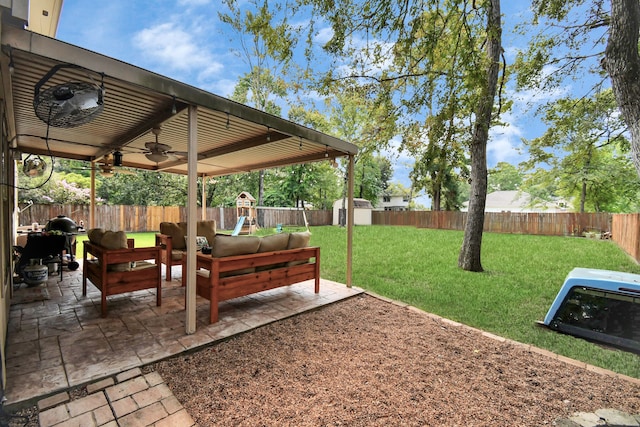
(244, 265)
(115, 266)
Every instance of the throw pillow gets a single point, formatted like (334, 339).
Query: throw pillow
(201, 241)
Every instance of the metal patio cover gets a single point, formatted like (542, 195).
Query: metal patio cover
(231, 137)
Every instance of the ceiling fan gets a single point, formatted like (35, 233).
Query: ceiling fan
(158, 152)
(107, 168)
(68, 104)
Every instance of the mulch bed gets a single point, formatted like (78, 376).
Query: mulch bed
(364, 362)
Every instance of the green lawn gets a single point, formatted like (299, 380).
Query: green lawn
(522, 276)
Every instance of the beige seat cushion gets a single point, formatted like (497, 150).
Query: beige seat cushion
(143, 265)
(176, 254)
(175, 231)
(207, 229)
(95, 235)
(224, 246)
(115, 240)
(273, 242)
(234, 245)
(298, 240)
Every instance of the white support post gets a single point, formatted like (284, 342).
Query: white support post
(92, 202)
(204, 198)
(192, 213)
(350, 219)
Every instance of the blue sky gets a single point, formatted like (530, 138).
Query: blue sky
(184, 40)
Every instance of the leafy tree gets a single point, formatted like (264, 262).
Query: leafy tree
(326, 183)
(439, 171)
(223, 190)
(261, 40)
(585, 38)
(504, 177)
(66, 184)
(400, 54)
(144, 188)
(386, 170)
(584, 148)
(368, 179)
(469, 258)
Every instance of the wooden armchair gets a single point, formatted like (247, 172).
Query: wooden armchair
(168, 255)
(116, 271)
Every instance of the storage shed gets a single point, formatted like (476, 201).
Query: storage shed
(361, 211)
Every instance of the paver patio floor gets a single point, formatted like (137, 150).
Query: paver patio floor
(57, 339)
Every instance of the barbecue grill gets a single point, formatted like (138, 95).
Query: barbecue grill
(62, 223)
(68, 228)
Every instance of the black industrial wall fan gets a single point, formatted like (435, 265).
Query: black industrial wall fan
(68, 104)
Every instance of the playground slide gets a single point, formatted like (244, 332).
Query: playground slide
(239, 225)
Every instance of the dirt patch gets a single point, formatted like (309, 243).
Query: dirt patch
(364, 362)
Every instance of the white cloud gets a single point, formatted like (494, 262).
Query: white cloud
(175, 48)
(221, 87)
(189, 3)
(324, 35)
(504, 142)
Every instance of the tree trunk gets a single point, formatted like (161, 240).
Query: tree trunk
(436, 191)
(469, 258)
(583, 195)
(435, 203)
(622, 62)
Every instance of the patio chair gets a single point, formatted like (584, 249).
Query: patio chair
(118, 267)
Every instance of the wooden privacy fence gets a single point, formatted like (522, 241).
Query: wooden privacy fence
(148, 218)
(625, 231)
(624, 228)
(548, 224)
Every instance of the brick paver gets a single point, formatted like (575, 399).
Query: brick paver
(53, 416)
(179, 419)
(52, 401)
(86, 404)
(124, 406)
(144, 417)
(126, 388)
(139, 400)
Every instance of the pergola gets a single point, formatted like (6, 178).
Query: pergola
(211, 135)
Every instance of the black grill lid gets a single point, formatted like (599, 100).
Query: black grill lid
(62, 223)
